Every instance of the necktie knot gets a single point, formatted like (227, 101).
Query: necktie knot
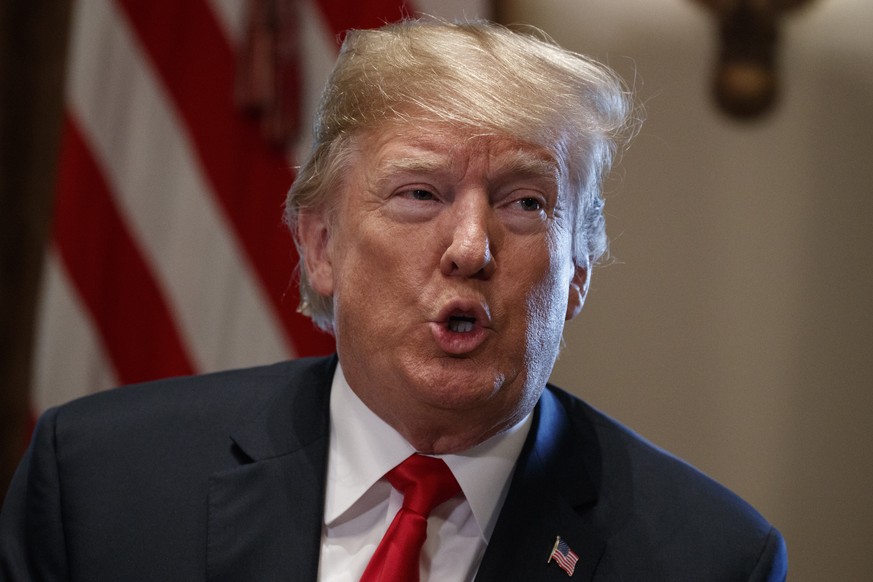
(425, 482)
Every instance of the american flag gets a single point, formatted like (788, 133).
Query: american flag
(564, 556)
(168, 255)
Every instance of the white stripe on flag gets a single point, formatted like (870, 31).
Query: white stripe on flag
(232, 18)
(71, 358)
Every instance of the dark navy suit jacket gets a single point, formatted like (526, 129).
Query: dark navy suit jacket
(221, 478)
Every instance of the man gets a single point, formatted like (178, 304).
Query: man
(447, 222)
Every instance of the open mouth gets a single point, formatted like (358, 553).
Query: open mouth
(462, 326)
(460, 323)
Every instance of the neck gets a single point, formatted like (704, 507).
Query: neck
(441, 432)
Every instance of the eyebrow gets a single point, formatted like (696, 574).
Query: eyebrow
(528, 164)
(519, 162)
(416, 164)
(426, 164)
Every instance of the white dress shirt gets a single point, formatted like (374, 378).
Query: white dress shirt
(360, 504)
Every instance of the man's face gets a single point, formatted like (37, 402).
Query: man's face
(449, 261)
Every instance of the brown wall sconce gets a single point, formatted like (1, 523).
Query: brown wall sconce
(746, 82)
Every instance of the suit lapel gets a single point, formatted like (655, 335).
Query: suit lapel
(265, 515)
(549, 496)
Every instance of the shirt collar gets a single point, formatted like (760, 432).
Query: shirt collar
(363, 448)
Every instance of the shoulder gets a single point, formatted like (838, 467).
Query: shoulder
(631, 465)
(215, 397)
(652, 502)
(185, 421)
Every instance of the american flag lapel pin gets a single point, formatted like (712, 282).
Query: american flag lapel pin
(563, 556)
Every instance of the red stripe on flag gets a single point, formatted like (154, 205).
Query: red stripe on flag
(249, 177)
(109, 271)
(341, 16)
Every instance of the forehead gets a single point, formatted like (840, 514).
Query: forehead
(452, 152)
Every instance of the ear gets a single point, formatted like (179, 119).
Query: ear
(578, 290)
(314, 235)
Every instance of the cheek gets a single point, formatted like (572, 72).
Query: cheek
(547, 299)
(547, 306)
(379, 270)
(396, 251)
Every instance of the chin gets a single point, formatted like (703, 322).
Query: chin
(457, 383)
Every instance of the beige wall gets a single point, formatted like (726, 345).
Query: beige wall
(735, 326)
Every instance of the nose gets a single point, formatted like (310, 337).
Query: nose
(470, 252)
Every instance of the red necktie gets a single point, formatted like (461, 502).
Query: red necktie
(425, 483)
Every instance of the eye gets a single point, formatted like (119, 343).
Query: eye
(413, 202)
(417, 195)
(420, 194)
(530, 204)
(526, 210)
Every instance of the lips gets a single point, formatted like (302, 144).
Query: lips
(461, 326)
